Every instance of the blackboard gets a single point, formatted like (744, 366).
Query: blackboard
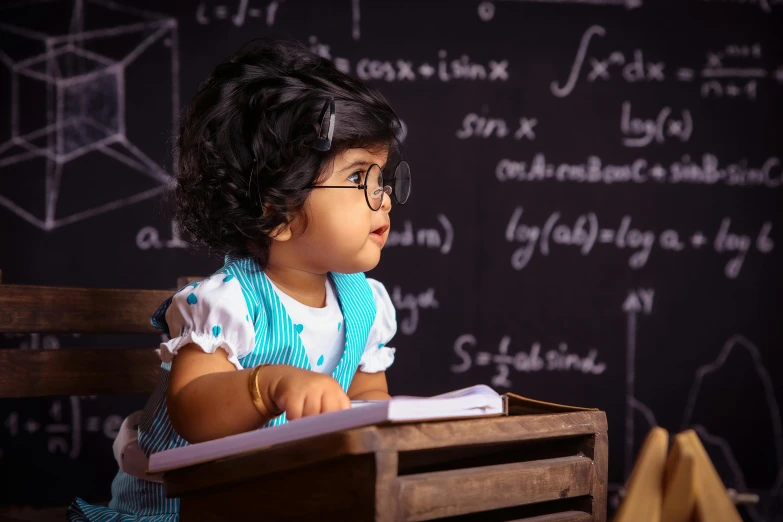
(595, 217)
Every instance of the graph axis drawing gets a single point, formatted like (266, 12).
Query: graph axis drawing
(74, 78)
(634, 306)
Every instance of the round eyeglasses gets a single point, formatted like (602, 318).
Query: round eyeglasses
(375, 185)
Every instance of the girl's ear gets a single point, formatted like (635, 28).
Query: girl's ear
(281, 232)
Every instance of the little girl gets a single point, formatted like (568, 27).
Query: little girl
(289, 326)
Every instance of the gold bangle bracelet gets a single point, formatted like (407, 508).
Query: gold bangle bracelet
(255, 392)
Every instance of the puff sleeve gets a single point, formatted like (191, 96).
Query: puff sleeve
(377, 357)
(212, 314)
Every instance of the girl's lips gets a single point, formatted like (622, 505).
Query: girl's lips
(377, 235)
(381, 230)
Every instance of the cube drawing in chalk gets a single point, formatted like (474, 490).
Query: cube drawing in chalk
(86, 108)
(69, 107)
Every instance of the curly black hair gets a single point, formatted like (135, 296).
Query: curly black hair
(245, 156)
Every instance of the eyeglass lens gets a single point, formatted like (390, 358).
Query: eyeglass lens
(402, 182)
(374, 187)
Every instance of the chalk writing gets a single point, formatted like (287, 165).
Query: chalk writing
(534, 360)
(412, 303)
(64, 427)
(738, 80)
(708, 172)
(586, 233)
(716, 57)
(461, 68)
(734, 80)
(476, 126)
(36, 341)
(242, 11)
(444, 69)
(424, 237)
(718, 89)
(640, 132)
(635, 68)
(149, 237)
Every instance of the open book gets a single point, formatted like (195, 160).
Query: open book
(474, 401)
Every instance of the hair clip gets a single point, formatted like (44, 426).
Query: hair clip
(325, 133)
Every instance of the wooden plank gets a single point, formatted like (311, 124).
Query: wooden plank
(600, 475)
(679, 495)
(278, 459)
(566, 516)
(712, 500)
(429, 496)
(341, 489)
(36, 515)
(387, 488)
(42, 309)
(475, 455)
(41, 373)
(644, 491)
(438, 434)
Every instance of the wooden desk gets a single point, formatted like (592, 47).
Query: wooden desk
(541, 468)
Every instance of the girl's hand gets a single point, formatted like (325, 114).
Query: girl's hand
(300, 392)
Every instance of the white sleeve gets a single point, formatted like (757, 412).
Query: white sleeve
(213, 314)
(377, 357)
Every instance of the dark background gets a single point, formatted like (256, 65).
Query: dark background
(603, 313)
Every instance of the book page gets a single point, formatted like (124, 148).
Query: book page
(478, 389)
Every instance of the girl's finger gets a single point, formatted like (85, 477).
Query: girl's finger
(330, 402)
(312, 404)
(345, 401)
(293, 408)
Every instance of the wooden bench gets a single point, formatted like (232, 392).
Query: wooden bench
(42, 373)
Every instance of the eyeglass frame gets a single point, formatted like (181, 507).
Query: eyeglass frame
(385, 183)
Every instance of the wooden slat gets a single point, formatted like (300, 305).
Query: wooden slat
(474, 455)
(386, 486)
(341, 489)
(41, 309)
(407, 437)
(278, 459)
(712, 500)
(644, 489)
(429, 496)
(600, 455)
(40, 373)
(565, 516)
(679, 491)
(35, 515)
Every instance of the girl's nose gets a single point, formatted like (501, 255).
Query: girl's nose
(386, 204)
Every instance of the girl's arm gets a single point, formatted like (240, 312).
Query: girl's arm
(369, 386)
(208, 398)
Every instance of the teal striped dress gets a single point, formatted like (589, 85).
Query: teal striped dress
(276, 342)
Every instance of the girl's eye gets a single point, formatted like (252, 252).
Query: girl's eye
(356, 177)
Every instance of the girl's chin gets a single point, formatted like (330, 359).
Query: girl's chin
(365, 261)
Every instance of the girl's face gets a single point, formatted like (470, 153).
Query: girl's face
(342, 234)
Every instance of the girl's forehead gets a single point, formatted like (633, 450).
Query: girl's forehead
(369, 156)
